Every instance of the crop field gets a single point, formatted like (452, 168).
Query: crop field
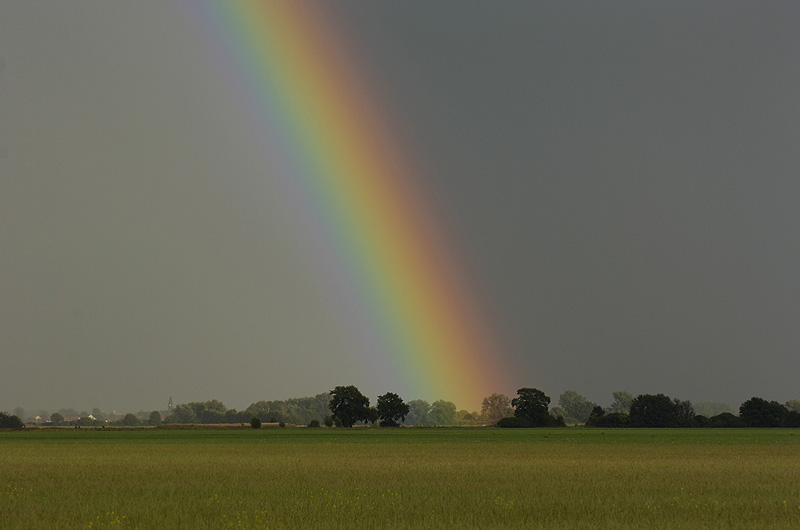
(399, 478)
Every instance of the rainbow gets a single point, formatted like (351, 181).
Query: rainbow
(326, 135)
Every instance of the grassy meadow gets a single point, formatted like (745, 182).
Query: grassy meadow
(400, 478)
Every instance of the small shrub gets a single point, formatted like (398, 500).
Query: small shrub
(313, 423)
(281, 425)
(328, 421)
(255, 422)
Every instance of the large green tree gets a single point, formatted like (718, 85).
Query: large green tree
(349, 405)
(130, 420)
(657, 410)
(155, 418)
(576, 406)
(757, 412)
(443, 413)
(391, 409)
(496, 407)
(419, 409)
(212, 411)
(182, 413)
(531, 405)
(652, 410)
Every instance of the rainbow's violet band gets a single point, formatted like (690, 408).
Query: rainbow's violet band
(326, 136)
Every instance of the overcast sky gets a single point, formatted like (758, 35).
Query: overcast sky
(622, 178)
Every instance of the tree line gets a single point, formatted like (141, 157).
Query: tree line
(342, 406)
(298, 411)
(531, 408)
(128, 420)
(646, 410)
(346, 406)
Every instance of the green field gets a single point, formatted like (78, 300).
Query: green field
(400, 478)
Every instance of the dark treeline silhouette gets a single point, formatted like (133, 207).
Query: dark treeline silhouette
(648, 410)
(346, 406)
(644, 410)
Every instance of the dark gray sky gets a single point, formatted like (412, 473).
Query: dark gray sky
(623, 179)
